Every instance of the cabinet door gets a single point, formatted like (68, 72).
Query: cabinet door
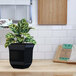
(52, 11)
(14, 2)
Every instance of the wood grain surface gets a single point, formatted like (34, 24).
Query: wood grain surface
(52, 11)
(39, 66)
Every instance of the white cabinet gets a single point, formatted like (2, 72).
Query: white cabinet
(15, 2)
(7, 12)
(15, 9)
(15, 12)
(23, 2)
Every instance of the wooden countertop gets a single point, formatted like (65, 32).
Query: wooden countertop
(39, 66)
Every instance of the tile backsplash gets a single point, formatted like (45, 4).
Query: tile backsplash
(48, 37)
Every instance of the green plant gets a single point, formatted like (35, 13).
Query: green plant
(20, 33)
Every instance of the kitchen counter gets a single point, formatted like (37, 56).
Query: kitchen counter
(38, 67)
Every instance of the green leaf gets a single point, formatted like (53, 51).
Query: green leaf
(6, 45)
(10, 35)
(23, 23)
(30, 40)
(9, 41)
(14, 28)
(26, 34)
(20, 33)
(20, 39)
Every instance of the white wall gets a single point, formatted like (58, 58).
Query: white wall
(48, 37)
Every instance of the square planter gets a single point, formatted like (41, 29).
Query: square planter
(20, 55)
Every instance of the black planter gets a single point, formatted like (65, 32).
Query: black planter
(20, 55)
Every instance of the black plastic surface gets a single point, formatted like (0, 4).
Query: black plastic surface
(21, 55)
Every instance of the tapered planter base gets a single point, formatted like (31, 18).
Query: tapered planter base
(20, 66)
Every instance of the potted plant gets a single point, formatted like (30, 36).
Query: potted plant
(20, 44)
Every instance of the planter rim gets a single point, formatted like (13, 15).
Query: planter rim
(22, 44)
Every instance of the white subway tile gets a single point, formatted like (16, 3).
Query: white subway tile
(4, 55)
(42, 28)
(67, 27)
(60, 33)
(38, 55)
(2, 48)
(44, 48)
(41, 41)
(54, 47)
(49, 55)
(71, 33)
(55, 27)
(43, 33)
(66, 40)
(74, 26)
(74, 41)
(52, 40)
(2, 40)
(35, 48)
(3, 32)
